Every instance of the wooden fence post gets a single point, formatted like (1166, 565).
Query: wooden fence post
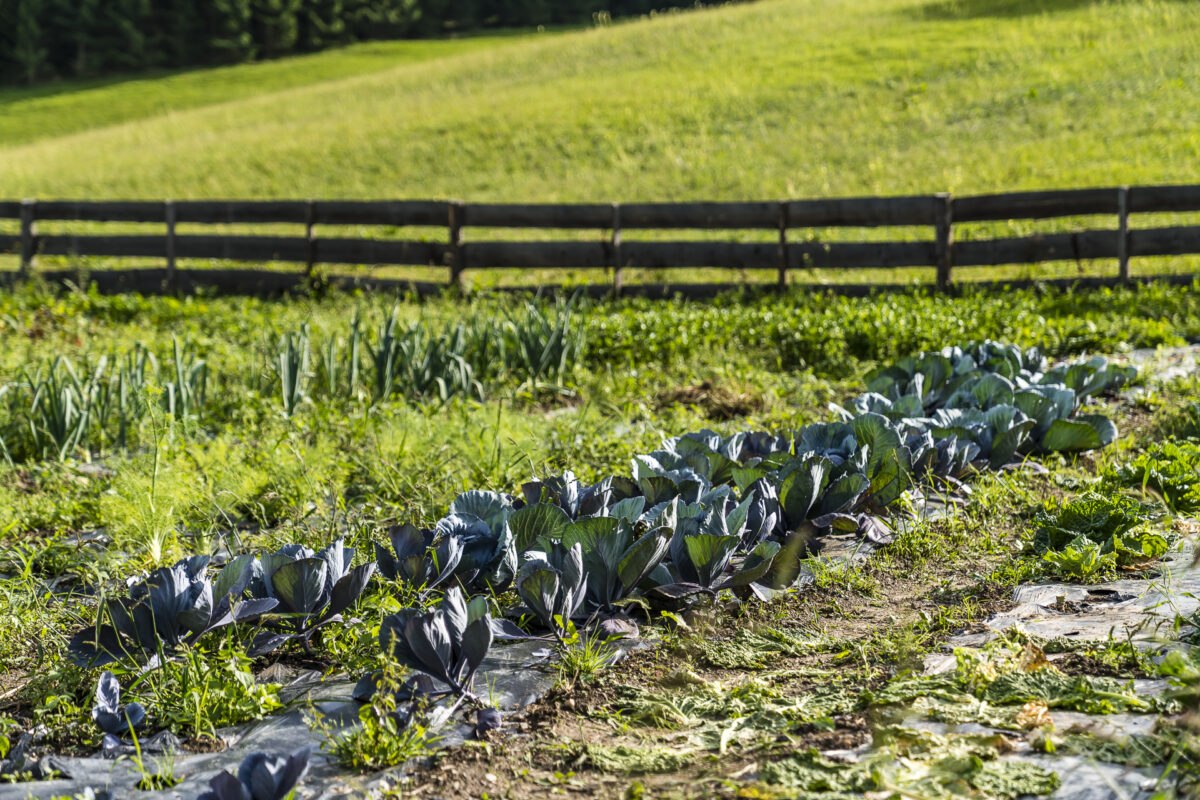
(28, 232)
(169, 216)
(783, 244)
(1123, 233)
(310, 244)
(615, 243)
(456, 241)
(944, 242)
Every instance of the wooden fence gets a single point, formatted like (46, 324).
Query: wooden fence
(939, 213)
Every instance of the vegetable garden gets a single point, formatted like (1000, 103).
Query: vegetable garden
(763, 547)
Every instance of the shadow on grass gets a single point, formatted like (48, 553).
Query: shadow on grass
(11, 93)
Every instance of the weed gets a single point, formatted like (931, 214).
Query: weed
(203, 691)
(1168, 470)
(916, 763)
(583, 657)
(717, 716)
(155, 775)
(753, 649)
(842, 575)
(386, 735)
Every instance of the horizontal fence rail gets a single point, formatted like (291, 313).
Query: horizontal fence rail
(938, 213)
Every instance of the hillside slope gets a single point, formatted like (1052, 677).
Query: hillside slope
(768, 99)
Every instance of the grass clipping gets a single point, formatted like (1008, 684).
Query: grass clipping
(912, 763)
(1004, 682)
(719, 717)
(627, 760)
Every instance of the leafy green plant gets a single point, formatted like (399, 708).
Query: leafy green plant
(614, 561)
(479, 522)
(418, 557)
(65, 719)
(174, 606)
(185, 394)
(583, 657)
(448, 643)
(553, 586)
(156, 774)
(1169, 470)
(543, 345)
(387, 735)
(311, 589)
(334, 364)
(1090, 536)
(109, 714)
(7, 726)
(203, 690)
(420, 363)
(53, 406)
(59, 410)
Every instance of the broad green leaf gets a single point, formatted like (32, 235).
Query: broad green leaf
(538, 585)
(541, 521)
(1089, 432)
(299, 585)
(843, 494)
(643, 556)
(710, 554)
(757, 563)
(745, 476)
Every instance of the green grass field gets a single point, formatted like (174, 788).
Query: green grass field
(769, 99)
(776, 98)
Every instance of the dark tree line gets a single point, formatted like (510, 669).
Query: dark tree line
(43, 39)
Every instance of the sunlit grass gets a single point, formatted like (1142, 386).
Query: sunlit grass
(764, 100)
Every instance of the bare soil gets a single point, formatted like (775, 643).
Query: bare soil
(542, 750)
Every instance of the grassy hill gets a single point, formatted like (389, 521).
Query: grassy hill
(767, 99)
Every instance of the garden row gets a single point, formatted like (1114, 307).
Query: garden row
(60, 409)
(701, 515)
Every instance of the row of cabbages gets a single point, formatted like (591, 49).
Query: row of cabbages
(999, 398)
(702, 514)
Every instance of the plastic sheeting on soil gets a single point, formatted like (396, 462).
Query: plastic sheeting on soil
(511, 670)
(1142, 610)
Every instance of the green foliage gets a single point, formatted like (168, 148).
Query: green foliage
(583, 657)
(917, 764)
(294, 372)
(68, 720)
(1005, 672)
(1080, 560)
(386, 735)
(156, 774)
(541, 342)
(819, 332)
(204, 690)
(1089, 537)
(749, 649)
(1169, 470)
(720, 717)
(58, 410)
(626, 760)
